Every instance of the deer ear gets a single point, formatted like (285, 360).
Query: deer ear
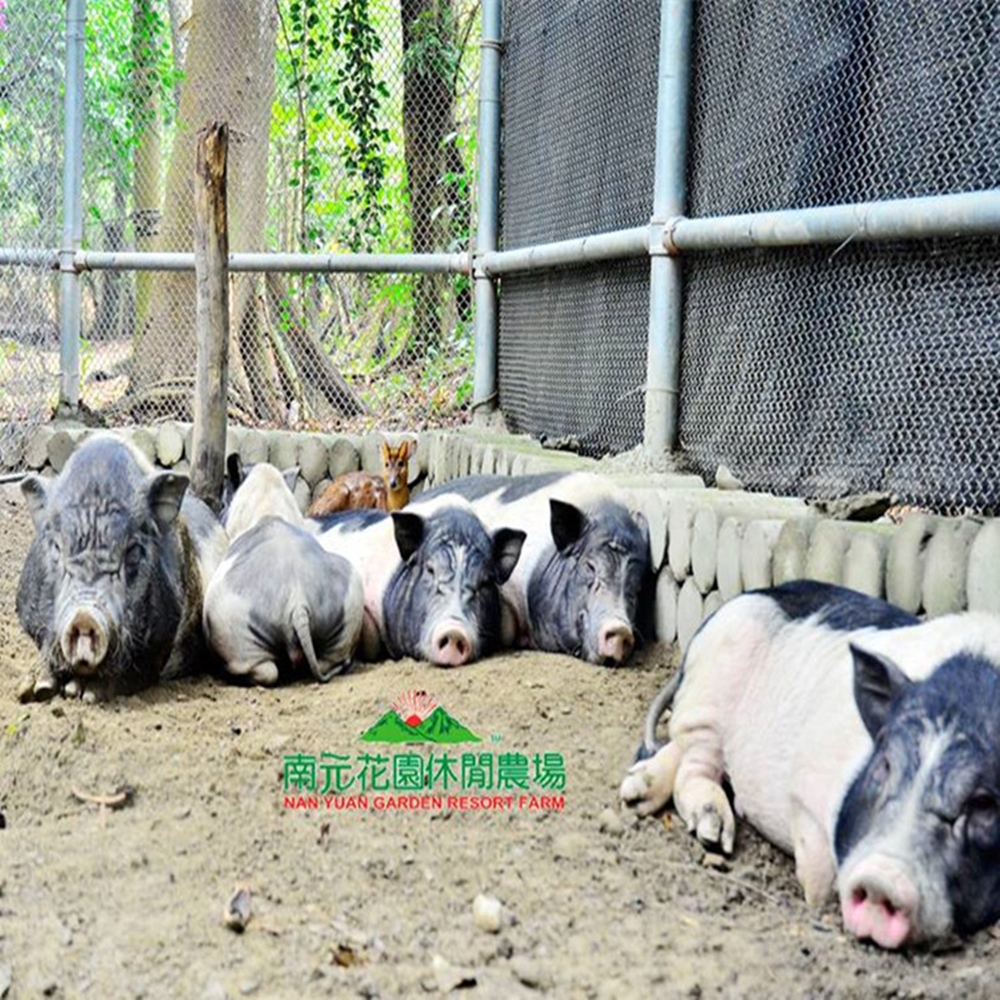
(386, 452)
(403, 451)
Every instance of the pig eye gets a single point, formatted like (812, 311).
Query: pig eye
(982, 813)
(133, 557)
(881, 770)
(589, 571)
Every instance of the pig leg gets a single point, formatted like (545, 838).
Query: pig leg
(815, 866)
(650, 783)
(698, 793)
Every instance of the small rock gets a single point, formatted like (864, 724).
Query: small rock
(5, 980)
(530, 973)
(237, 912)
(725, 480)
(248, 989)
(611, 822)
(487, 913)
(570, 846)
(26, 689)
(859, 507)
(450, 977)
(712, 860)
(972, 972)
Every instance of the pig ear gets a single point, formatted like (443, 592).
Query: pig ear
(234, 470)
(164, 494)
(36, 493)
(291, 477)
(877, 684)
(507, 544)
(409, 530)
(567, 523)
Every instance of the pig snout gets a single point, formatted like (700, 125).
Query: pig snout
(614, 642)
(85, 638)
(451, 645)
(880, 901)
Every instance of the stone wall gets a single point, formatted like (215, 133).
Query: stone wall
(708, 545)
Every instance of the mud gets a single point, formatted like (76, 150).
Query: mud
(129, 902)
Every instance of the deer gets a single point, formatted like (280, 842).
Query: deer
(389, 490)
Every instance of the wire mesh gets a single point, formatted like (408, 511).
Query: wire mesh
(579, 105)
(830, 371)
(351, 128)
(32, 51)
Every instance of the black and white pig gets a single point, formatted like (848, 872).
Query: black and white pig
(862, 741)
(111, 590)
(576, 587)
(432, 576)
(279, 599)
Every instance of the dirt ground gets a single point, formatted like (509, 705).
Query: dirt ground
(129, 902)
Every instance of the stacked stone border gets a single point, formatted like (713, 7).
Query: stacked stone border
(708, 545)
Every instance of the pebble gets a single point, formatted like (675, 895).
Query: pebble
(712, 860)
(450, 977)
(611, 822)
(725, 480)
(487, 913)
(972, 972)
(530, 973)
(570, 845)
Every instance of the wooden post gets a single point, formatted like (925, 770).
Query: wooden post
(211, 266)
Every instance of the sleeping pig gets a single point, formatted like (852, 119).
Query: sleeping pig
(111, 590)
(857, 738)
(279, 601)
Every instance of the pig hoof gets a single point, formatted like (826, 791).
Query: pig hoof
(73, 688)
(43, 689)
(714, 826)
(638, 793)
(709, 829)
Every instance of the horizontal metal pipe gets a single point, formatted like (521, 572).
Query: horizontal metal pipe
(950, 215)
(13, 256)
(385, 263)
(972, 214)
(584, 250)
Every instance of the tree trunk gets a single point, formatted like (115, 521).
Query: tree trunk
(146, 193)
(216, 87)
(428, 112)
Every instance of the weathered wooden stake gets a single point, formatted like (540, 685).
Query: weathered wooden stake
(211, 266)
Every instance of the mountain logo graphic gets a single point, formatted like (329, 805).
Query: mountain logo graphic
(416, 717)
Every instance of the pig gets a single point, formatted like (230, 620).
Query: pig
(862, 741)
(432, 576)
(585, 560)
(111, 589)
(279, 600)
(262, 492)
(236, 473)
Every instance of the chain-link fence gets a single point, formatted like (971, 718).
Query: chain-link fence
(579, 104)
(818, 371)
(822, 371)
(351, 128)
(32, 46)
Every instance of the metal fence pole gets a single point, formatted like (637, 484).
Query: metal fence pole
(664, 344)
(484, 391)
(69, 279)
